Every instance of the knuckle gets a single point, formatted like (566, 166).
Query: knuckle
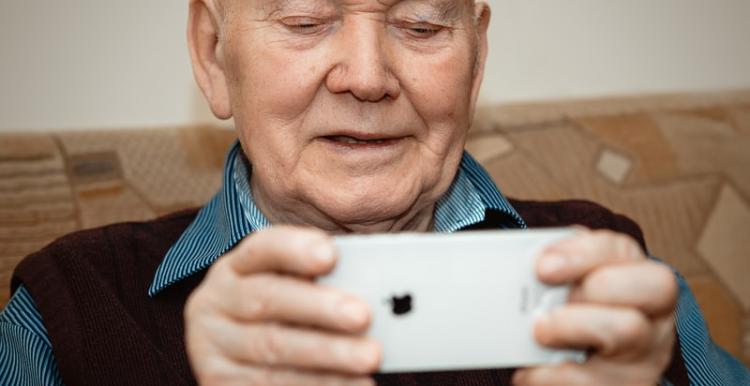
(621, 244)
(217, 379)
(667, 283)
(370, 362)
(269, 349)
(602, 236)
(362, 324)
(600, 279)
(358, 322)
(572, 374)
(255, 307)
(219, 270)
(625, 246)
(603, 286)
(215, 372)
(259, 289)
(319, 235)
(190, 307)
(257, 243)
(250, 245)
(325, 380)
(298, 234)
(633, 327)
(195, 304)
(213, 378)
(310, 232)
(662, 360)
(267, 377)
(663, 344)
(320, 246)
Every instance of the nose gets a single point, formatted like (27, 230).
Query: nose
(363, 67)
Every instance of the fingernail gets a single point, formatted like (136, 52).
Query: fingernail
(369, 357)
(322, 251)
(541, 327)
(542, 320)
(552, 264)
(353, 311)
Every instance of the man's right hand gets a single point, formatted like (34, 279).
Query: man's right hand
(259, 319)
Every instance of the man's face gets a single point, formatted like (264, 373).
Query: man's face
(354, 111)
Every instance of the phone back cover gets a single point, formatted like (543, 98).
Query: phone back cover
(448, 302)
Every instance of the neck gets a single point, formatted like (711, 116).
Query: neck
(418, 218)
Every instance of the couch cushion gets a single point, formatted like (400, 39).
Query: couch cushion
(677, 164)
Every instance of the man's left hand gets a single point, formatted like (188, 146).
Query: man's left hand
(620, 309)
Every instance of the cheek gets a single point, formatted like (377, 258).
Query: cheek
(271, 90)
(439, 88)
(273, 84)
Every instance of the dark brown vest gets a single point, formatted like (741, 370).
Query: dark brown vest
(91, 289)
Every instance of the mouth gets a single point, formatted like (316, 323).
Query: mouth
(360, 141)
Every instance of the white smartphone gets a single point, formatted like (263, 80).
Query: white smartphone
(448, 302)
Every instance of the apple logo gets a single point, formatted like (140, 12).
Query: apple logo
(400, 305)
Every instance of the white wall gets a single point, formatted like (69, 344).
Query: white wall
(93, 63)
(546, 49)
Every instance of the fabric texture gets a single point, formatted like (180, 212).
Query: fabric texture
(148, 331)
(676, 164)
(25, 350)
(113, 267)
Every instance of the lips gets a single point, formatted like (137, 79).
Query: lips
(360, 139)
(356, 141)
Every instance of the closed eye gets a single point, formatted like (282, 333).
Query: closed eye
(304, 25)
(422, 30)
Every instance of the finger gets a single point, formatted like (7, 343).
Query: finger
(223, 372)
(571, 259)
(274, 297)
(649, 286)
(299, 251)
(295, 377)
(609, 330)
(594, 372)
(664, 342)
(286, 346)
(600, 370)
(564, 374)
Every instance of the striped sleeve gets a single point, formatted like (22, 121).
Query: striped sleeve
(26, 356)
(706, 363)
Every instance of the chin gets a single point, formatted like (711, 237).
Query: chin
(368, 208)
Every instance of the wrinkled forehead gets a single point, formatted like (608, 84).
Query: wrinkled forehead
(441, 6)
(386, 3)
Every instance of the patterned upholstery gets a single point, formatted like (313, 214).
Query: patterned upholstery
(677, 164)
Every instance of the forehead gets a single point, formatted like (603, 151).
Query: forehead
(441, 6)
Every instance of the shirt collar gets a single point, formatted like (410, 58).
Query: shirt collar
(232, 214)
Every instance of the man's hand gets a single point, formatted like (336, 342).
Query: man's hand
(620, 308)
(258, 319)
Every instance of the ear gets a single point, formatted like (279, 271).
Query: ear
(482, 15)
(206, 56)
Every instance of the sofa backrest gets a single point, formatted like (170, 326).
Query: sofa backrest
(677, 164)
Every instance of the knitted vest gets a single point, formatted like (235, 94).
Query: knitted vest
(91, 290)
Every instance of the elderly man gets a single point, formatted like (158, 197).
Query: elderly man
(352, 116)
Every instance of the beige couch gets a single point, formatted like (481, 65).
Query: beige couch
(678, 164)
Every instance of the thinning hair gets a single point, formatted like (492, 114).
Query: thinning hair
(223, 9)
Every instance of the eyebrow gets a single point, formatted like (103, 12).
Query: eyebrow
(270, 7)
(445, 9)
(441, 9)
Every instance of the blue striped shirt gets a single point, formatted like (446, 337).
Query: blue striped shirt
(26, 356)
